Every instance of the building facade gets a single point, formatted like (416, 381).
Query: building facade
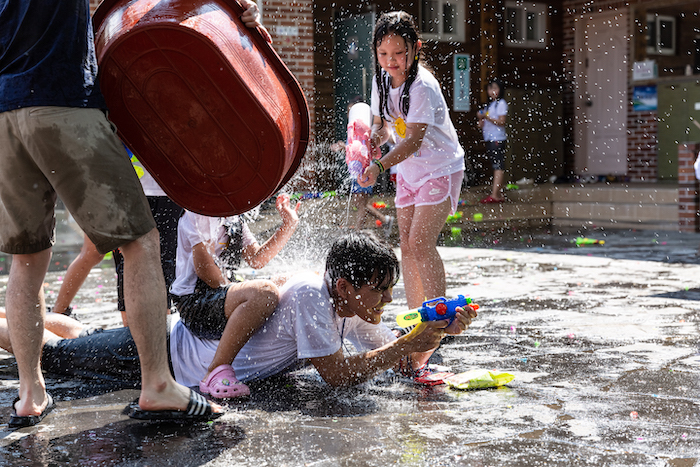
(596, 89)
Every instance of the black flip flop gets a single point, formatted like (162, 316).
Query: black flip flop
(21, 421)
(198, 410)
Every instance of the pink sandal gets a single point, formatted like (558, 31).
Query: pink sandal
(223, 384)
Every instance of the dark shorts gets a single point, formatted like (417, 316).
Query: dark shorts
(166, 214)
(108, 355)
(496, 152)
(72, 153)
(203, 310)
(357, 188)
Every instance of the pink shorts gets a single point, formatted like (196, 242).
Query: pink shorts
(435, 191)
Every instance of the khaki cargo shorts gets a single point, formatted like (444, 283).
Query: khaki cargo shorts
(73, 153)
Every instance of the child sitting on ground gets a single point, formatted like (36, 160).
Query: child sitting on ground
(211, 303)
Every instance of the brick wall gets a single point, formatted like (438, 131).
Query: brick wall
(642, 144)
(291, 25)
(688, 204)
(641, 126)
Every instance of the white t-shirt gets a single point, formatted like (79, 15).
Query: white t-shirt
(303, 326)
(150, 186)
(493, 132)
(193, 229)
(440, 153)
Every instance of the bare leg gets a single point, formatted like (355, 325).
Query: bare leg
(421, 249)
(409, 269)
(25, 316)
(376, 213)
(359, 201)
(5, 336)
(497, 187)
(63, 326)
(144, 294)
(76, 273)
(248, 305)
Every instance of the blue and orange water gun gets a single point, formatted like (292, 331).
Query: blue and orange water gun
(435, 310)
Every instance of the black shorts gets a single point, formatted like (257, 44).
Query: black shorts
(203, 310)
(496, 152)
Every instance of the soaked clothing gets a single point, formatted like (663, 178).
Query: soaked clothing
(203, 311)
(435, 191)
(55, 141)
(103, 354)
(75, 154)
(202, 307)
(304, 325)
(440, 153)
(107, 355)
(194, 229)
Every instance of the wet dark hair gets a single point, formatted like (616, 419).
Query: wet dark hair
(360, 257)
(403, 25)
(501, 87)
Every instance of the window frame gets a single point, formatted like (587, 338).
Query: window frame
(459, 34)
(655, 48)
(540, 10)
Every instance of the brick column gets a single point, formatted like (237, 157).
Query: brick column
(688, 204)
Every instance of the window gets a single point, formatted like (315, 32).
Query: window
(661, 35)
(526, 24)
(442, 20)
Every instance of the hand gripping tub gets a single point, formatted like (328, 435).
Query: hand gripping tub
(204, 101)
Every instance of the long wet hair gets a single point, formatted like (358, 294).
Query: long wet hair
(403, 25)
(361, 258)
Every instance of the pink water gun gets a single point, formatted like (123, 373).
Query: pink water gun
(357, 149)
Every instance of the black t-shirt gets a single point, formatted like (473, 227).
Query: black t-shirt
(47, 55)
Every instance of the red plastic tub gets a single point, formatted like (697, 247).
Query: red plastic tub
(203, 101)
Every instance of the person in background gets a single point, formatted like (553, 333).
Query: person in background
(492, 121)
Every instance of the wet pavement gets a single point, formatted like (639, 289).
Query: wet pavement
(602, 340)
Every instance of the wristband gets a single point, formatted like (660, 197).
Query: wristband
(379, 164)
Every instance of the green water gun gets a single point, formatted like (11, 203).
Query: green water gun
(583, 241)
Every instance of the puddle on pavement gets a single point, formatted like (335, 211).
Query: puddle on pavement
(604, 348)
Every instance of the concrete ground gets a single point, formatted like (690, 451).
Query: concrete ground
(602, 340)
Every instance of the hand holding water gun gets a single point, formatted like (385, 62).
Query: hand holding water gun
(437, 309)
(357, 151)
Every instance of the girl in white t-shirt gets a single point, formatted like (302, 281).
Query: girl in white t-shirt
(492, 121)
(408, 102)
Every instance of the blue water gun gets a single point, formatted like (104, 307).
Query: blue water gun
(435, 310)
